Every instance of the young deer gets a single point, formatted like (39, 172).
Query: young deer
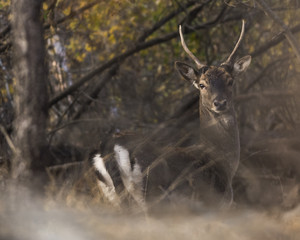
(208, 165)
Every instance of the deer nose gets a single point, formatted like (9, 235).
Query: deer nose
(220, 105)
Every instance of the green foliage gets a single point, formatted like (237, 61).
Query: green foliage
(109, 27)
(4, 4)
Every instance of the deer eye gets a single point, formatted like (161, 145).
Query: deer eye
(201, 86)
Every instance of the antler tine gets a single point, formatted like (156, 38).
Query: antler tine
(196, 60)
(237, 44)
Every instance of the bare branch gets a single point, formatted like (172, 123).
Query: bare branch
(263, 95)
(7, 29)
(287, 32)
(123, 56)
(8, 139)
(278, 39)
(96, 90)
(64, 166)
(73, 14)
(5, 47)
(145, 35)
(164, 20)
(264, 72)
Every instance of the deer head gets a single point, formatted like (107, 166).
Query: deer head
(215, 83)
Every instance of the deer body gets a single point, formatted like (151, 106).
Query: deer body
(221, 135)
(140, 170)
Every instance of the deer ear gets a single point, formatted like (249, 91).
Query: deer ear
(242, 64)
(186, 71)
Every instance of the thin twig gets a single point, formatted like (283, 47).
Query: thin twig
(65, 165)
(72, 123)
(5, 31)
(264, 72)
(96, 90)
(278, 39)
(8, 139)
(73, 14)
(246, 97)
(164, 20)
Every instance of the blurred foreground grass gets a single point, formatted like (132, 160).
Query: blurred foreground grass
(27, 217)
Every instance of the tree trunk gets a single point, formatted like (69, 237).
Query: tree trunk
(30, 71)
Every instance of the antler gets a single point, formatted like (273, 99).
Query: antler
(196, 60)
(229, 59)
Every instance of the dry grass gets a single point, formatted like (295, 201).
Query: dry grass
(70, 212)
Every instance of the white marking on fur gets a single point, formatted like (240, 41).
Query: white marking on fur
(137, 177)
(122, 157)
(108, 187)
(132, 179)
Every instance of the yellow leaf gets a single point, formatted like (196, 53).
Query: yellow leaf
(81, 57)
(88, 47)
(67, 11)
(45, 6)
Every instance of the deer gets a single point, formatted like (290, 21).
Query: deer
(140, 171)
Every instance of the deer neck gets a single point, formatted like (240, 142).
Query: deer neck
(226, 120)
(221, 127)
(221, 132)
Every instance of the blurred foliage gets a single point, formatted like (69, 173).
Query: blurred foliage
(91, 37)
(4, 4)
